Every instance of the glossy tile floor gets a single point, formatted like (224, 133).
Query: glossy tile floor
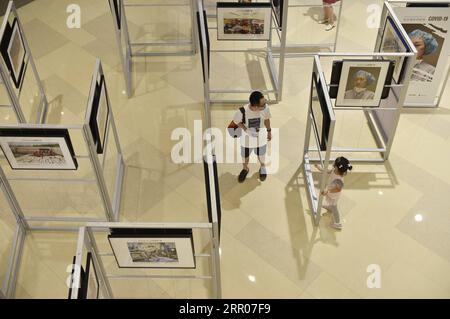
(396, 215)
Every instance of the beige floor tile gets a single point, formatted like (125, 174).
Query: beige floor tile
(326, 286)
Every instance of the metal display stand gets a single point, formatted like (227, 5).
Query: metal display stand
(127, 46)
(87, 244)
(25, 224)
(14, 94)
(446, 77)
(382, 121)
(111, 205)
(276, 74)
(292, 47)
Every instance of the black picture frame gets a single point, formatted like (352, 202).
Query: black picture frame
(208, 44)
(326, 117)
(4, 48)
(217, 194)
(40, 133)
(336, 77)
(118, 12)
(427, 5)
(278, 14)
(139, 233)
(99, 136)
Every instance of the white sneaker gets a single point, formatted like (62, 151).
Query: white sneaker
(330, 27)
(336, 226)
(324, 21)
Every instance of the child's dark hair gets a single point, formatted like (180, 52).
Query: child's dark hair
(343, 165)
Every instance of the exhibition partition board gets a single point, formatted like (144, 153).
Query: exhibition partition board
(18, 71)
(427, 23)
(320, 125)
(130, 48)
(393, 39)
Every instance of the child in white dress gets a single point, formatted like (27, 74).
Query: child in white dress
(334, 188)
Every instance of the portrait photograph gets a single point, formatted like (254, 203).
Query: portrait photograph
(362, 83)
(429, 46)
(392, 43)
(14, 52)
(38, 151)
(154, 250)
(244, 21)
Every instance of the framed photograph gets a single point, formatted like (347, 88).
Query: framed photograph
(428, 27)
(100, 112)
(362, 82)
(208, 45)
(277, 6)
(153, 248)
(321, 116)
(38, 149)
(393, 42)
(14, 52)
(244, 21)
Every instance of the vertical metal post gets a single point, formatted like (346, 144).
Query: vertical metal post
(6, 78)
(128, 51)
(203, 31)
(11, 94)
(338, 25)
(215, 261)
(98, 172)
(279, 94)
(12, 200)
(123, 30)
(14, 260)
(76, 276)
(324, 177)
(194, 28)
(120, 170)
(103, 278)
